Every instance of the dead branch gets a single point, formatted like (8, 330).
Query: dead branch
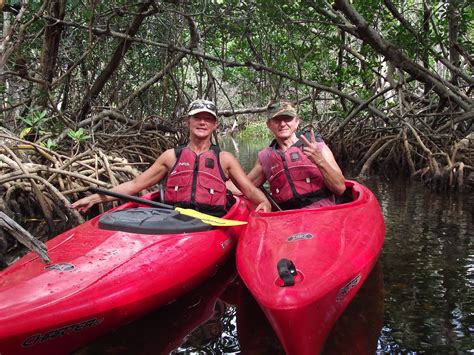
(24, 237)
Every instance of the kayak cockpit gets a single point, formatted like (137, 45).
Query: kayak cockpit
(151, 221)
(351, 194)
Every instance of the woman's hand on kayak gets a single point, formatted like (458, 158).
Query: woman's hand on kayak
(85, 203)
(264, 206)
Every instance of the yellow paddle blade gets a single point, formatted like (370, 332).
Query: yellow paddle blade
(212, 220)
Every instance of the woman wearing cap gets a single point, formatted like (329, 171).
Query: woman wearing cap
(301, 169)
(196, 172)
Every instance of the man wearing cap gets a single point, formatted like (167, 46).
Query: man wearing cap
(196, 172)
(301, 169)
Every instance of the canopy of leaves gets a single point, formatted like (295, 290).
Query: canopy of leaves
(397, 70)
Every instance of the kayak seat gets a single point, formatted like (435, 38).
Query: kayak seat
(346, 197)
(151, 221)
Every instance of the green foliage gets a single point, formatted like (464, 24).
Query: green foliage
(35, 123)
(78, 136)
(50, 144)
(295, 38)
(255, 131)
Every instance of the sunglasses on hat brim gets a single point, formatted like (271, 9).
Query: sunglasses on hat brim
(198, 105)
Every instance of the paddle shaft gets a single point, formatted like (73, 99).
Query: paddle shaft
(270, 198)
(130, 198)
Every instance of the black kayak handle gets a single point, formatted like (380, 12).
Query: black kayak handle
(287, 272)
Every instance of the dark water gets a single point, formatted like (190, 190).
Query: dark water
(418, 300)
(428, 266)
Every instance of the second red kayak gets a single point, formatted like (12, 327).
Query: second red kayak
(304, 266)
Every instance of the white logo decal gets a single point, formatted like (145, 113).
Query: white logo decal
(345, 290)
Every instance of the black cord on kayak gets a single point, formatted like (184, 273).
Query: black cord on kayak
(270, 198)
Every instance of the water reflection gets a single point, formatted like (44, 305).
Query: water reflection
(199, 322)
(357, 330)
(427, 260)
(246, 153)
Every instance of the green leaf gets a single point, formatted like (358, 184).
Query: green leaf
(24, 132)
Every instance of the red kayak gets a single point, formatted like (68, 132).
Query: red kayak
(304, 266)
(106, 273)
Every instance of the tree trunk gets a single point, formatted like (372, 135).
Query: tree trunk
(49, 56)
(114, 62)
(426, 29)
(453, 28)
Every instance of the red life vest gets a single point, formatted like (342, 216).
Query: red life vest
(197, 181)
(295, 181)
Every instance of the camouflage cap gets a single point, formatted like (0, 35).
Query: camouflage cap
(281, 108)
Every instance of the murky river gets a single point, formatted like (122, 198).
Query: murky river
(418, 300)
